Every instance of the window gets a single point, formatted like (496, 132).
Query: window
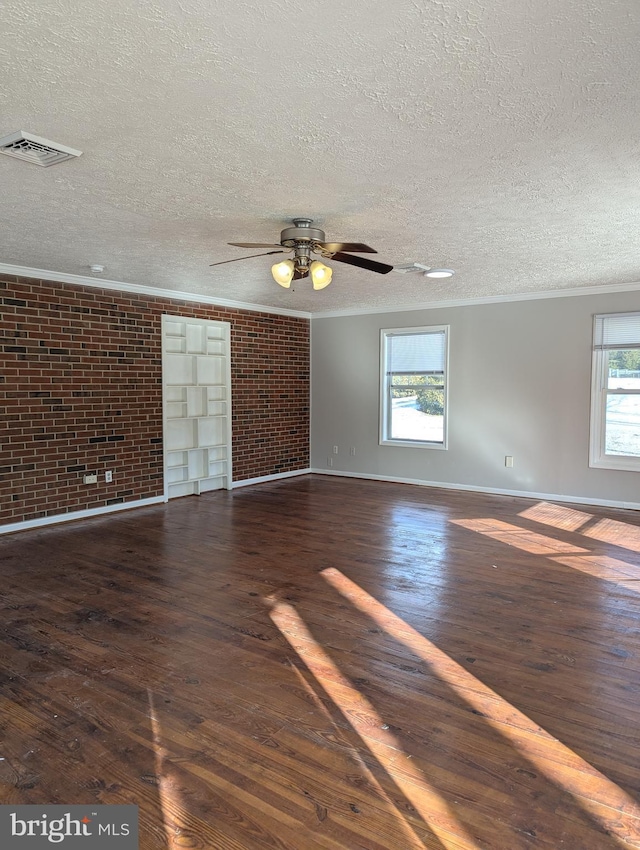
(413, 387)
(615, 393)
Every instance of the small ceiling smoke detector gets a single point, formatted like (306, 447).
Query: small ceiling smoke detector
(33, 149)
(96, 268)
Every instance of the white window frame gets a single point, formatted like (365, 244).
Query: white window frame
(598, 457)
(385, 407)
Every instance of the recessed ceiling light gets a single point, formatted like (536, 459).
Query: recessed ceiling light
(96, 268)
(440, 273)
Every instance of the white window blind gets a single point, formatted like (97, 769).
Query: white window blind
(416, 353)
(620, 330)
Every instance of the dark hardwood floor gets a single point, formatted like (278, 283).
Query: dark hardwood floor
(331, 663)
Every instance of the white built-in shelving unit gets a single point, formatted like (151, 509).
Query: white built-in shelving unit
(196, 384)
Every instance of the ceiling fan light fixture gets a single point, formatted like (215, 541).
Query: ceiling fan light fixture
(440, 273)
(283, 273)
(304, 241)
(320, 274)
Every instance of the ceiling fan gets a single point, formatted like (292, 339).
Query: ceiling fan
(305, 240)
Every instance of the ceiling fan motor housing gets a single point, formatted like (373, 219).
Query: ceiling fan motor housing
(303, 239)
(302, 232)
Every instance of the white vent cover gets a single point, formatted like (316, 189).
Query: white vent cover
(34, 149)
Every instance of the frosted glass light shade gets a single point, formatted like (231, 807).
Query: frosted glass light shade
(283, 273)
(320, 274)
(440, 273)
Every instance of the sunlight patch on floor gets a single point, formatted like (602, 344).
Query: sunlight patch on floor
(559, 516)
(602, 567)
(561, 765)
(512, 535)
(613, 531)
(606, 530)
(170, 799)
(430, 805)
(366, 770)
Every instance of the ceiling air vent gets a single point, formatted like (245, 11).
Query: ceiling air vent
(34, 149)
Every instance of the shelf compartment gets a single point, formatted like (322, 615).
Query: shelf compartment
(174, 328)
(179, 370)
(196, 339)
(215, 346)
(175, 402)
(216, 332)
(183, 488)
(217, 408)
(176, 459)
(198, 464)
(181, 434)
(212, 431)
(197, 401)
(218, 393)
(176, 410)
(175, 394)
(209, 370)
(212, 484)
(217, 453)
(177, 474)
(175, 345)
(217, 468)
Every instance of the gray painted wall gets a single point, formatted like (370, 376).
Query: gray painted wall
(519, 384)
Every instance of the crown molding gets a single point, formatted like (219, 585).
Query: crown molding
(605, 289)
(138, 289)
(154, 291)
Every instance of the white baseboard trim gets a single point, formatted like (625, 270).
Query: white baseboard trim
(522, 494)
(90, 512)
(276, 477)
(156, 500)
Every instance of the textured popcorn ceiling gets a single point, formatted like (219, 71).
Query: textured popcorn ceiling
(501, 139)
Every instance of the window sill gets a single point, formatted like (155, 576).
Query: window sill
(623, 464)
(414, 444)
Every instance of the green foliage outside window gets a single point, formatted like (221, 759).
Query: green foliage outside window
(426, 388)
(431, 400)
(628, 359)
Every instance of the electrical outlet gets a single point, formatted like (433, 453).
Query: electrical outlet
(108, 476)
(90, 479)
(335, 450)
(508, 460)
(329, 461)
(352, 451)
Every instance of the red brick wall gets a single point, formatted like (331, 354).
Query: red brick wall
(81, 392)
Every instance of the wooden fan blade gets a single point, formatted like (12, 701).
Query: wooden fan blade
(254, 244)
(300, 273)
(235, 259)
(357, 247)
(363, 263)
